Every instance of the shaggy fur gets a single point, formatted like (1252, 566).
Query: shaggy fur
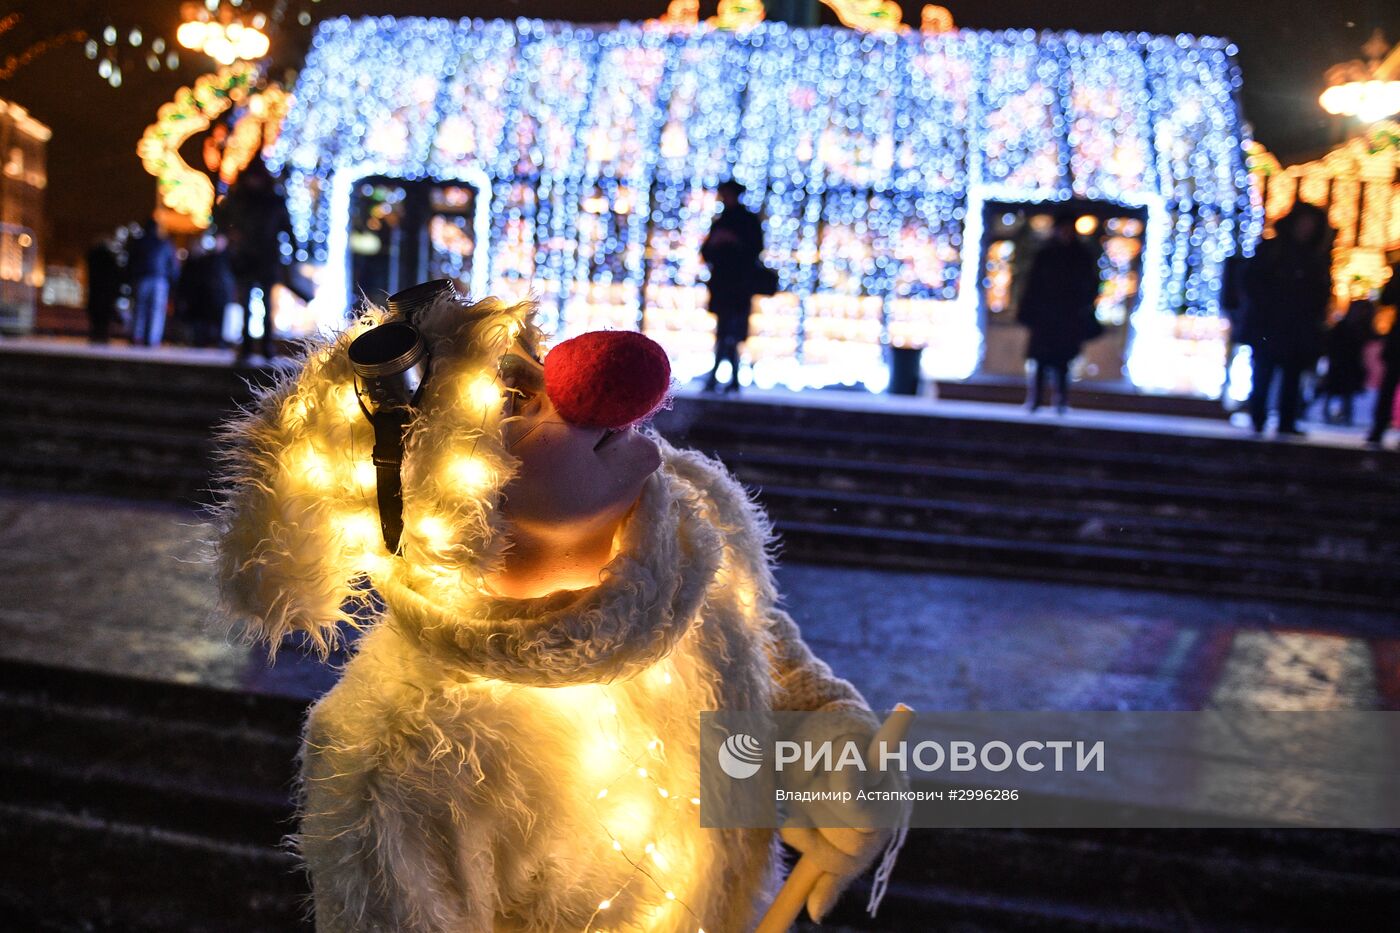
(451, 780)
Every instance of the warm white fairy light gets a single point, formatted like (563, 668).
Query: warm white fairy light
(360, 536)
(347, 403)
(630, 817)
(469, 474)
(482, 392)
(313, 467)
(435, 531)
(365, 476)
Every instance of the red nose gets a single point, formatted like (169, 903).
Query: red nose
(607, 378)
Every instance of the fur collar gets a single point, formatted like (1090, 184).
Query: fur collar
(647, 599)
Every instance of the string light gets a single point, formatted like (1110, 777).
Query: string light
(470, 474)
(871, 157)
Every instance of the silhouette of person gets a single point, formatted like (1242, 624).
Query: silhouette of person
(1057, 307)
(205, 290)
(152, 268)
(1390, 355)
(1289, 284)
(1346, 368)
(254, 217)
(732, 251)
(104, 287)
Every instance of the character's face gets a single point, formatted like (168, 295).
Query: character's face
(570, 478)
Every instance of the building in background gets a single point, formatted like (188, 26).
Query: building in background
(898, 174)
(23, 142)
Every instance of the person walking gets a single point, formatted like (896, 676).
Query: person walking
(1390, 355)
(1057, 306)
(255, 218)
(1289, 282)
(731, 250)
(152, 268)
(1346, 366)
(104, 287)
(205, 290)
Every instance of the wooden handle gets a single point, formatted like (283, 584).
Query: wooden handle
(786, 907)
(791, 898)
(891, 732)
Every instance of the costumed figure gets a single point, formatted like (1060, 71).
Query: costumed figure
(556, 593)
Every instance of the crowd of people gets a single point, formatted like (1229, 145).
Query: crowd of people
(245, 252)
(1278, 301)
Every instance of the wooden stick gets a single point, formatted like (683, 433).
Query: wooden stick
(786, 907)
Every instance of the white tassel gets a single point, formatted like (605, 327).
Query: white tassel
(882, 874)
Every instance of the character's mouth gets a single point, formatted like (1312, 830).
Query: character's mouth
(608, 435)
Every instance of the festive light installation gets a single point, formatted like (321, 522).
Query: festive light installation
(222, 33)
(935, 19)
(737, 14)
(182, 188)
(869, 15)
(680, 14)
(1358, 184)
(1368, 90)
(872, 157)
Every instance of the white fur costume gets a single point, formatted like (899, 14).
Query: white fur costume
(493, 764)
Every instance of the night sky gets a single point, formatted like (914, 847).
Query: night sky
(96, 181)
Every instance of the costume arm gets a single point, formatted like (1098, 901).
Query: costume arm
(803, 681)
(386, 852)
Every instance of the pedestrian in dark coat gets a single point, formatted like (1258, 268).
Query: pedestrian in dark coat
(104, 287)
(1346, 367)
(1057, 306)
(1289, 282)
(732, 252)
(205, 290)
(254, 216)
(1390, 356)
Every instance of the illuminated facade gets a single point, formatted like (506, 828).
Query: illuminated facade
(579, 164)
(23, 143)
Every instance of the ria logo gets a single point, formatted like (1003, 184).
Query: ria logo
(740, 756)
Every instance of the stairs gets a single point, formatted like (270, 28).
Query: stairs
(925, 491)
(129, 805)
(1043, 499)
(110, 424)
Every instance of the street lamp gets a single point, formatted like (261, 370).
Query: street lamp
(1368, 90)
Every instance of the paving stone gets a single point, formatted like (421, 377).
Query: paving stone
(123, 586)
